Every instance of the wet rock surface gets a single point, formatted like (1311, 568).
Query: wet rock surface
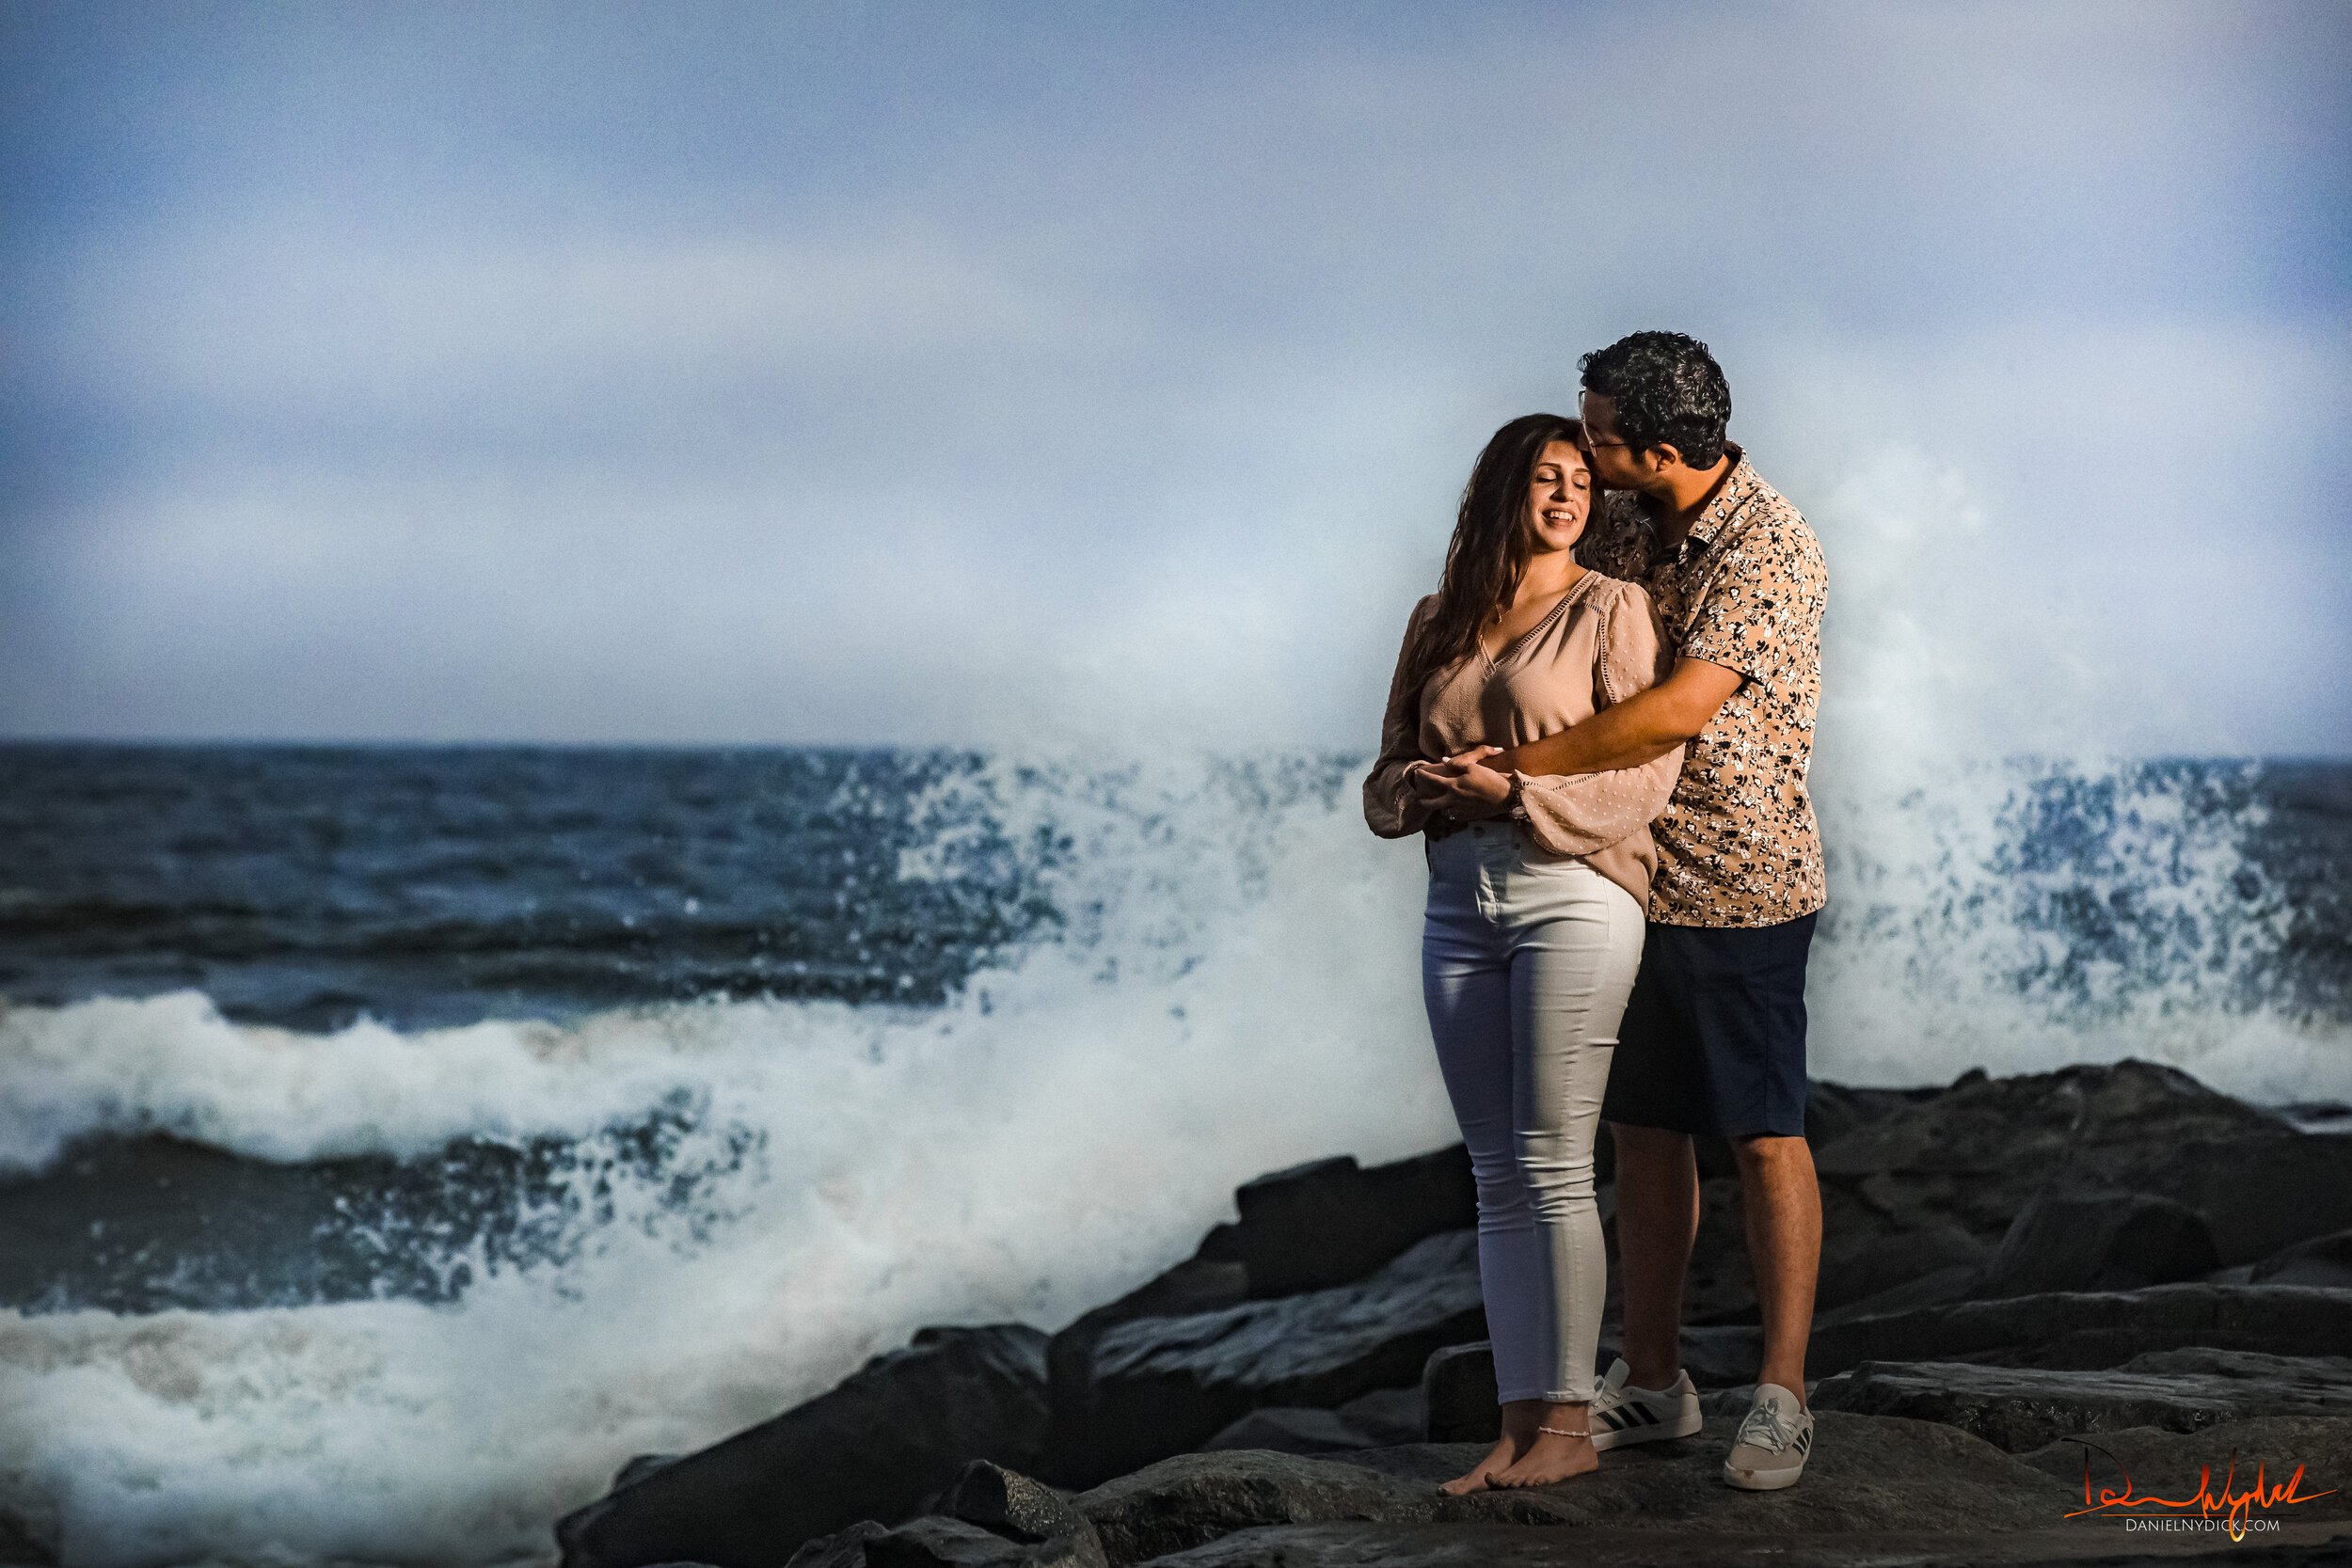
(883, 1444)
(1880, 1489)
(2322, 1261)
(1975, 1155)
(2109, 1267)
(1176, 1381)
(2091, 1240)
(1521, 1546)
(1078, 1450)
(1184, 1502)
(2084, 1330)
(2020, 1408)
(1332, 1221)
(1290, 1430)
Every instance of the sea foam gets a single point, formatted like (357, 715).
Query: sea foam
(1232, 986)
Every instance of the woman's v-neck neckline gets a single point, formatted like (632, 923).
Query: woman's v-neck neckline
(1568, 595)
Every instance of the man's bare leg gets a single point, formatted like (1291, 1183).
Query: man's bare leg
(1658, 1220)
(1782, 1202)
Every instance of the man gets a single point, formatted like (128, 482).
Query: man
(1713, 1035)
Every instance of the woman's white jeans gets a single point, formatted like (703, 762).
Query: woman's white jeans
(1526, 963)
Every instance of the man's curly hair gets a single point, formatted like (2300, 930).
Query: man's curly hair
(1668, 392)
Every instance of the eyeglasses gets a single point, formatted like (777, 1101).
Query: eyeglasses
(1584, 429)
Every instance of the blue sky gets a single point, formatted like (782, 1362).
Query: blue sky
(964, 374)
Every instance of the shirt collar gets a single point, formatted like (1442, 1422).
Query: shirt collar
(1736, 485)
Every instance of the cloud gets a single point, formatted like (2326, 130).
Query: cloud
(830, 380)
(385, 327)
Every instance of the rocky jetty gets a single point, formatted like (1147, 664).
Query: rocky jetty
(2055, 1310)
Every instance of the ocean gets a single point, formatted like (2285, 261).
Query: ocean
(395, 1139)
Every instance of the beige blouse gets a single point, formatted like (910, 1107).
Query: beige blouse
(1597, 645)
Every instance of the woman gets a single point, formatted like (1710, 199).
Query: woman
(1536, 891)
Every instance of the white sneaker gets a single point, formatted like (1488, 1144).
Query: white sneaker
(1770, 1449)
(1621, 1414)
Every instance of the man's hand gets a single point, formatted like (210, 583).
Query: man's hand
(1641, 729)
(1462, 787)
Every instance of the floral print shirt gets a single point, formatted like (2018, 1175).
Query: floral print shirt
(1738, 843)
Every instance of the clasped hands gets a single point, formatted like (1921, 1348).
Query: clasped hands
(1462, 787)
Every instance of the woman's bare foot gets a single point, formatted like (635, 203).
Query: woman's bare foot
(1506, 1449)
(1551, 1457)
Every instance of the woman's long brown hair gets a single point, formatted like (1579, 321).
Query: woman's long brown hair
(1490, 547)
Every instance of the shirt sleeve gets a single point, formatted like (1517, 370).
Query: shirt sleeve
(1575, 814)
(1391, 807)
(1762, 608)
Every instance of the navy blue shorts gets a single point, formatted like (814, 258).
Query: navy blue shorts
(1713, 1036)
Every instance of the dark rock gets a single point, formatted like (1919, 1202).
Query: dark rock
(1289, 1428)
(1834, 1110)
(1865, 1251)
(1347, 1545)
(1329, 1221)
(935, 1541)
(1867, 1474)
(1018, 1507)
(1222, 1245)
(2091, 1329)
(24, 1545)
(2099, 1241)
(2022, 1408)
(2258, 1194)
(1871, 1252)
(1284, 1215)
(1953, 1282)
(1714, 1357)
(1975, 1155)
(1193, 1498)
(639, 1467)
(2319, 1115)
(1388, 1416)
(2014, 1129)
(873, 1447)
(844, 1549)
(1459, 1393)
(2252, 1366)
(1074, 1455)
(1364, 1546)
(2162, 1462)
(2322, 1261)
(1926, 1188)
(1169, 1383)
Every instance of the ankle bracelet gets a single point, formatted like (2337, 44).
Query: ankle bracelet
(1580, 1431)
